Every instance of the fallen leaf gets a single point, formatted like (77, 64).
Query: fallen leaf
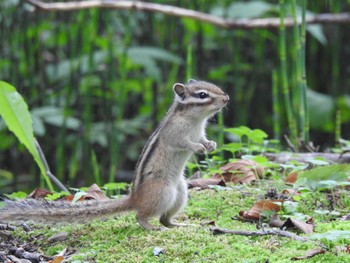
(94, 192)
(241, 171)
(204, 183)
(39, 193)
(254, 213)
(60, 236)
(275, 221)
(291, 178)
(307, 228)
(196, 175)
(345, 218)
(342, 249)
(310, 253)
(289, 193)
(57, 259)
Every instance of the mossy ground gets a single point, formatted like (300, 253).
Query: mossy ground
(122, 240)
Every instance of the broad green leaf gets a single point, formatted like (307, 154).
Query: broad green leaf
(240, 131)
(17, 195)
(321, 118)
(14, 111)
(250, 9)
(317, 32)
(316, 177)
(257, 136)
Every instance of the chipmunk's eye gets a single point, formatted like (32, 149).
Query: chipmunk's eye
(203, 95)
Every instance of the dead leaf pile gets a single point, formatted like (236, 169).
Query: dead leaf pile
(239, 172)
(270, 208)
(93, 193)
(255, 212)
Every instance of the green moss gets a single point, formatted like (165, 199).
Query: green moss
(122, 240)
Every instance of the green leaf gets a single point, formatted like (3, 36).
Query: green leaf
(14, 111)
(317, 177)
(321, 118)
(16, 195)
(240, 131)
(115, 186)
(250, 9)
(317, 32)
(78, 195)
(257, 136)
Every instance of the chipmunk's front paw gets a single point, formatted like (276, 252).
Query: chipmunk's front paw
(199, 148)
(210, 146)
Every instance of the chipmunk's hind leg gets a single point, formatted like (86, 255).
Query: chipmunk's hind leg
(143, 221)
(152, 199)
(180, 202)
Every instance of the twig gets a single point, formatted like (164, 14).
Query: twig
(284, 157)
(341, 18)
(277, 232)
(47, 169)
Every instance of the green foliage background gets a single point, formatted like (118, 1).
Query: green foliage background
(98, 81)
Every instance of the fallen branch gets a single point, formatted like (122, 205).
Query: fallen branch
(305, 157)
(341, 18)
(277, 232)
(47, 168)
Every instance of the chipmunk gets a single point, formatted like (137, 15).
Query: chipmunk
(158, 188)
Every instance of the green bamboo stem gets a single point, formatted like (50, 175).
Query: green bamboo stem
(299, 46)
(283, 75)
(337, 128)
(275, 107)
(189, 62)
(306, 126)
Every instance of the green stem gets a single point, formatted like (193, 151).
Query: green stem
(299, 46)
(283, 77)
(275, 107)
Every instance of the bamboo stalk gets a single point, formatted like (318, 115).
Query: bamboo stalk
(283, 75)
(299, 47)
(306, 126)
(276, 107)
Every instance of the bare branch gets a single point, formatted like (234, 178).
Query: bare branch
(48, 172)
(277, 232)
(341, 18)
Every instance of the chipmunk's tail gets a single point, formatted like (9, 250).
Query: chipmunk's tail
(61, 211)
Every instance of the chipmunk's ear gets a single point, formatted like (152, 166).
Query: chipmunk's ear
(192, 80)
(179, 89)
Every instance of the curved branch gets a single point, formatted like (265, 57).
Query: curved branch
(341, 18)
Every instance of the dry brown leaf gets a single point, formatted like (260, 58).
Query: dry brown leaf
(57, 259)
(310, 253)
(291, 178)
(204, 183)
(342, 249)
(275, 221)
(260, 206)
(305, 227)
(290, 192)
(39, 193)
(241, 171)
(94, 192)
